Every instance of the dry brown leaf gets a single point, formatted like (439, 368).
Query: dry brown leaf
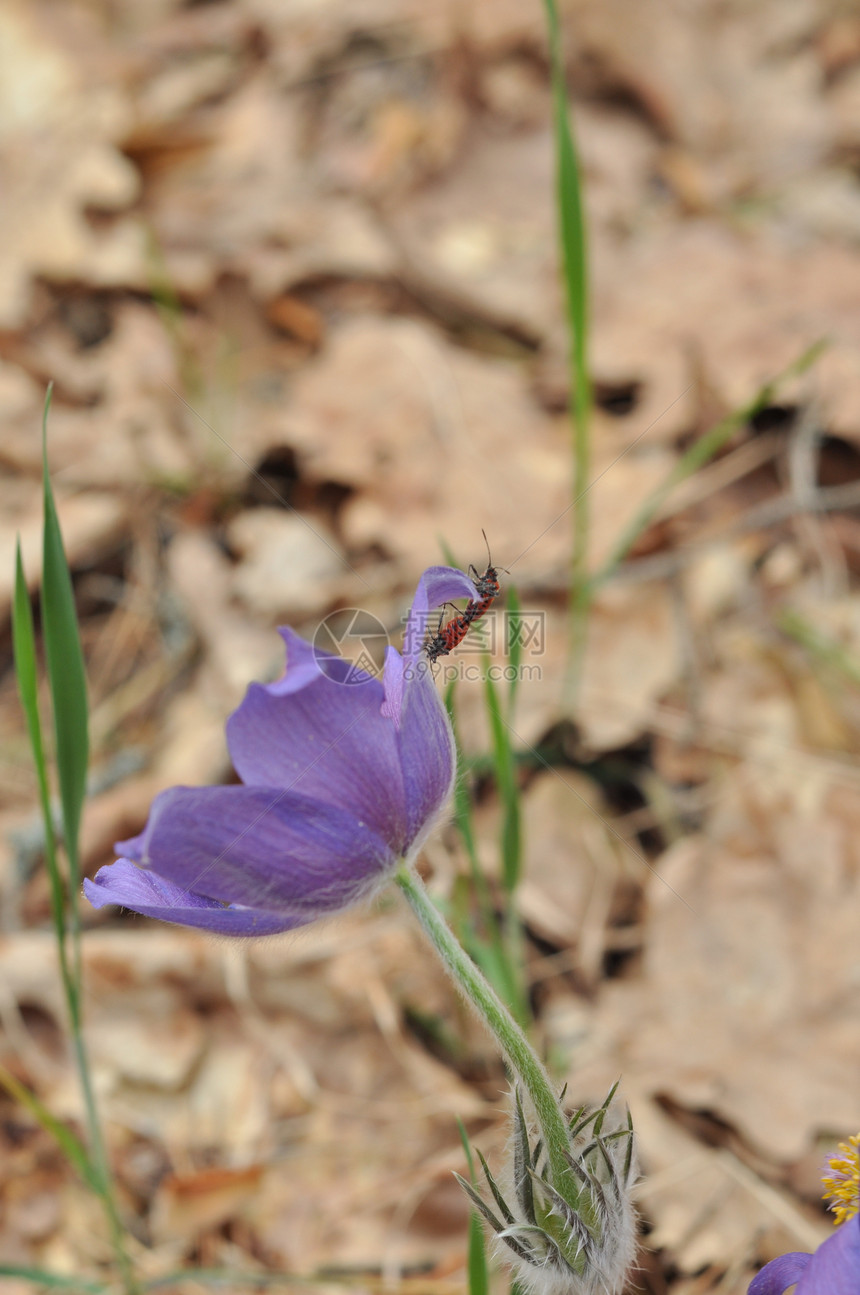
(486, 242)
(237, 650)
(702, 80)
(438, 442)
(148, 1051)
(290, 565)
(707, 1204)
(722, 296)
(33, 1205)
(113, 421)
(633, 657)
(290, 232)
(767, 951)
(63, 121)
(186, 1205)
(571, 865)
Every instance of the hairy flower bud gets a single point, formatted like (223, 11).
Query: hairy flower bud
(570, 1237)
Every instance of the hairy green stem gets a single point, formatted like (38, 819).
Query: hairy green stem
(514, 1045)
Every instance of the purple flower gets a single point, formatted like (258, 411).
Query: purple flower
(342, 777)
(834, 1269)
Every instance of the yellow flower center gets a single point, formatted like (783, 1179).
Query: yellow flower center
(842, 1186)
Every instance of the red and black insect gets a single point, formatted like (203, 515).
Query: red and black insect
(487, 587)
(445, 640)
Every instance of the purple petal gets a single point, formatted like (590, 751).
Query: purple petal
(132, 848)
(835, 1266)
(327, 740)
(834, 1269)
(392, 686)
(131, 887)
(307, 663)
(427, 752)
(437, 585)
(779, 1274)
(263, 848)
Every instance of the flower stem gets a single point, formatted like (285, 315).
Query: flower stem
(514, 1045)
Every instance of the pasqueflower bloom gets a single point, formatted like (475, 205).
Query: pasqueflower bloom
(343, 777)
(834, 1269)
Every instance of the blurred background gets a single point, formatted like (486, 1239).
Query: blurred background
(292, 269)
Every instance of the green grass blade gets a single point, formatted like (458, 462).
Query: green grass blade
(572, 231)
(494, 958)
(467, 1150)
(825, 651)
(71, 1148)
(68, 693)
(513, 620)
(478, 1268)
(447, 552)
(487, 948)
(24, 649)
(510, 946)
(462, 799)
(168, 307)
(51, 1281)
(700, 453)
(506, 781)
(65, 672)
